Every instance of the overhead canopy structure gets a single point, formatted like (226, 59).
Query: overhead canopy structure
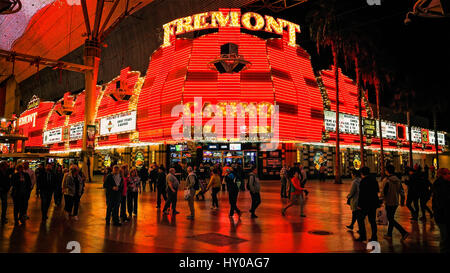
(52, 29)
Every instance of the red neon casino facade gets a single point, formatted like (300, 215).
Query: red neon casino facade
(277, 72)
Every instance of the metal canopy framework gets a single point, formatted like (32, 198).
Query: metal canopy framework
(274, 5)
(38, 61)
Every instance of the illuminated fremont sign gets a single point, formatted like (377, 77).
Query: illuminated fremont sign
(218, 19)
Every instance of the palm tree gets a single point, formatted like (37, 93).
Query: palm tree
(324, 30)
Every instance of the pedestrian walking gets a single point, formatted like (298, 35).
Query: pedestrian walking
(284, 181)
(214, 184)
(143, 175)
(322, 170)
(73, 188)
(368, 202)
(304, 178)
(353, 196)
(192, 184)
(134, 188)
(433, 171)
(254, 188)
(114, 188)
(5, 186)
(412, 198)
(233, 191)
(153, 176)
(47, 185)
(441, 207)
(32, 174)
(59, 175)
(172, 189)
(21, 188)
(161, 186)
(40, 174)
(297, 193)
(392, 190)
(424, 194)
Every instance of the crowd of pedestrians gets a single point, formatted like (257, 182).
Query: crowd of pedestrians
(53, 183)
(50, 182)
(367, 195)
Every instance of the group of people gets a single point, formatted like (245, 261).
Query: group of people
(51, 182)
(366, 197)
(122, 187)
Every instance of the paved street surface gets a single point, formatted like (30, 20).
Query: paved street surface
(323, 230)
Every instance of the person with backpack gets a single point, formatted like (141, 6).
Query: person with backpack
(233, 191)
(392, 189)
(192, 185)
(254, 187)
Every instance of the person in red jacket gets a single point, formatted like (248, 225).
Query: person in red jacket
(297, 191)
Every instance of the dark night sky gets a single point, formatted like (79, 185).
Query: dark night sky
(418, 52)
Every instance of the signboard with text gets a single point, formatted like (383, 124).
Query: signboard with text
(389, 130)
(120, 123)
(370, 127)
(348, 124)
(53, 136)
(76, 131)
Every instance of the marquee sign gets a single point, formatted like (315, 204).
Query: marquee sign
(389, 130)
(120, 123)
(348, 124)
(31, 118)
(441, 138)
(53, 136)
(34, 102)
(217, 19)
(76, 131)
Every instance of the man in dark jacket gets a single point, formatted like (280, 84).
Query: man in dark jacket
(368, 203)
(441, 207)
(5, 185)
(153, 177)
(39, 172)
(114, 188)
(21, 188)
(160, 187)
(47, 185)
(233, 192)
(143, 174)
(412, 197)
(424, 194)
